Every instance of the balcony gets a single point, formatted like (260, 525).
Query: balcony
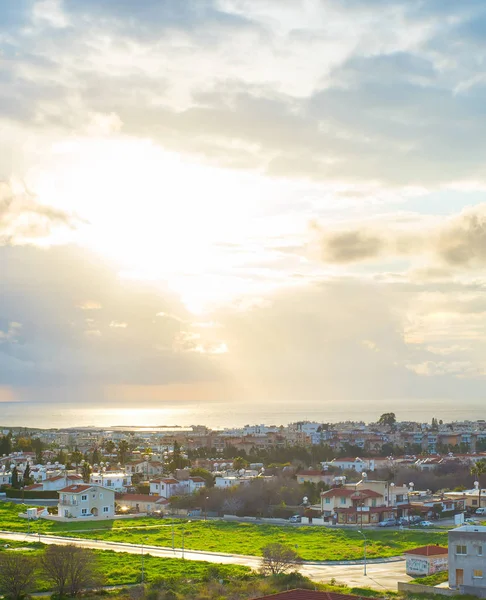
(68, 502)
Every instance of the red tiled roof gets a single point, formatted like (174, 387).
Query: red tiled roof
(300, 594)
(170, 481)
(75, 489)
(34, 486)
(428, 551)
(137, 497)
(197, 479)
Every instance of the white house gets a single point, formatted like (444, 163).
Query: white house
(114, 480)
(426, 560)
(165, 487)
(77, 501)
(55, 483)
(352, 464)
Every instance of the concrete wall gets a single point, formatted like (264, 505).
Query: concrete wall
(417, 588)
(475, 559)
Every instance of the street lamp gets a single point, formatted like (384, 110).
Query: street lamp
(143, 570)
(183, 533)
(364, 551)
(206, 508)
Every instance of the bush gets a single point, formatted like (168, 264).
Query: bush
(31, 495)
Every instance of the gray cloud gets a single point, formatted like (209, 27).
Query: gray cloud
(457, 242)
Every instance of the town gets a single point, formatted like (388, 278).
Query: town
(402, 488)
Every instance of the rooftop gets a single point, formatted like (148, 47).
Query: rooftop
(428, 551)
(300, 594)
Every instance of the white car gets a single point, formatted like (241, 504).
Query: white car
(426, 524)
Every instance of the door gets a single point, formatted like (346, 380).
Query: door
(459, 577)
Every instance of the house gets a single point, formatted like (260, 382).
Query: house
(351, 464)
(86, 500)
(364, 503)
(54, 483)
(467, 563)
(115, 480)
(141, 502)
(165, 487)
(470, 498)
(426, 560)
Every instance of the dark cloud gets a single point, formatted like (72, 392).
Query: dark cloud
(463, 242)
(351, 246)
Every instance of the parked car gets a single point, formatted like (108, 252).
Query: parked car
(295, 519)
(403, 521)
(471, 521)
(481, 511)
(414, 519)
(387, 523)
(426, 524)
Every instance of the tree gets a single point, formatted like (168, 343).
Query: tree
(70, 569)
(239, 463)
(85, 471)
(278, 558)
(27, 477)
(205, 474)
(95, 457)
(477, 470)
(15, 479)
(109, 446)
(6, 444)
(388, 420)
(17, 575)
(123, 451)
(76, 458)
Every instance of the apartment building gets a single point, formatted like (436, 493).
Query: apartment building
(467, 560)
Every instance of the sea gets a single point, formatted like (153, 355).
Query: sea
(227, 415)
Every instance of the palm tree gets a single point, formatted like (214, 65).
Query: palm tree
(477, 470)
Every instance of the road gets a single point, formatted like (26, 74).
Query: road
(380, 575)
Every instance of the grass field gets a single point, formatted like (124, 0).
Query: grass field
(119, 568)
(312, 543)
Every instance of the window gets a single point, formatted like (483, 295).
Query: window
(84, 511)
(480, 550)
(101, 495)
(106, 509)
(461, 549)
(474, 502)
(477, 574)
(343, 500)
(108, 483)
(328, 500)
(84, 498)
(373, 502)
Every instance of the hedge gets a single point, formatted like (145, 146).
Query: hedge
(31, 495)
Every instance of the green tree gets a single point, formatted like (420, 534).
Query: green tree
(27, 477)
(205, 474)
(123, 451)
(95, 457)
(388, 420)
(15, 479)
(76, 458)
(85, 471)
(239, 463)
(478, 469)
(109, 446)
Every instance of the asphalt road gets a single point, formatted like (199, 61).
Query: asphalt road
(380, 575)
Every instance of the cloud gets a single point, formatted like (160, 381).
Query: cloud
(23, 220)
(459, 241)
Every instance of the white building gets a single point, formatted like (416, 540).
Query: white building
(77, 501)
(114, 480)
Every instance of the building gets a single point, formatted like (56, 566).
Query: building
(77, 501)
(467, 560)
(365, 503)
(115, 480)
(142, 503)
(426, 560)
(54, 484)
(165, 487)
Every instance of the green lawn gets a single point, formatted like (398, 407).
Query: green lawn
(312, 543)
(119, 568)
(434, 579)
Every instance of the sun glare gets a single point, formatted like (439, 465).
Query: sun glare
(159, 217)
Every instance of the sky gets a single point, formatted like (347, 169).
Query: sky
(243, 201)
